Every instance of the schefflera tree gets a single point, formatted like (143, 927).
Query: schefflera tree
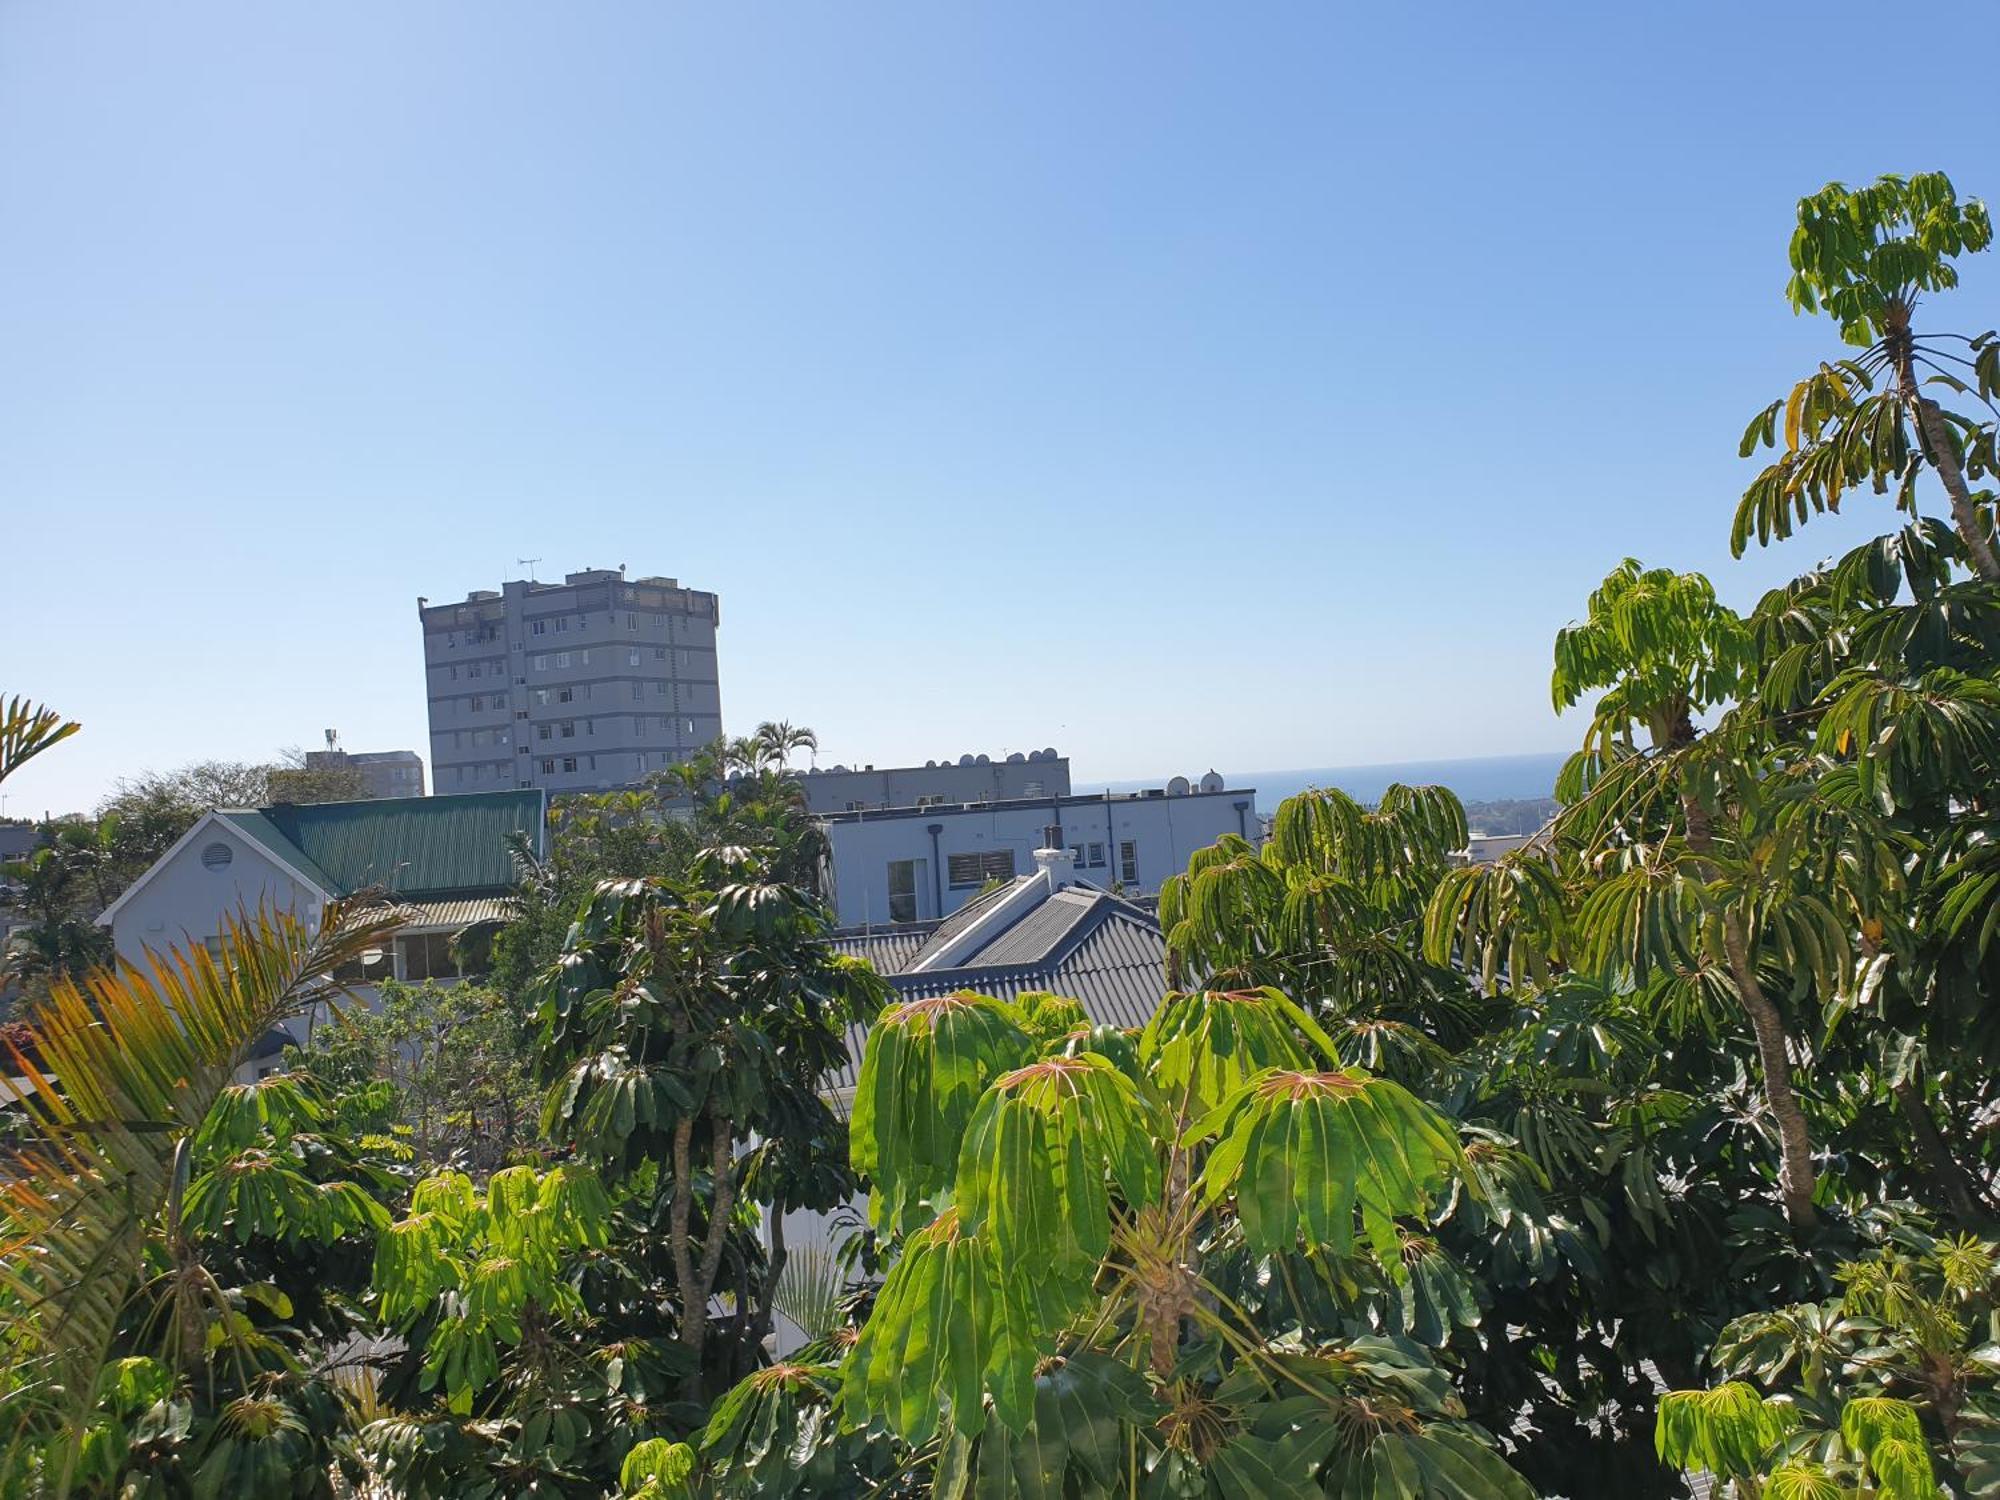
(1054, 1191)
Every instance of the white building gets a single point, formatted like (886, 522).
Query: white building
(908, 864)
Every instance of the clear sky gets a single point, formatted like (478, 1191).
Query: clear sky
(1180, 385)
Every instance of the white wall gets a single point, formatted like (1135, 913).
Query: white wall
(1166, 830)
(184, 902)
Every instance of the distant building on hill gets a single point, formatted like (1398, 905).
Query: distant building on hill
(595, 682)
(386, 773)
(969, 778)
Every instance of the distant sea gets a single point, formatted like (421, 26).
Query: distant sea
(1488, 778)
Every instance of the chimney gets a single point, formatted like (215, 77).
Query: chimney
(1059, 865)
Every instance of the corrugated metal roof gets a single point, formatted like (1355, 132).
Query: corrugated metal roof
(461, 912)
(889, 950)
(262, 832)
(949, 929)
(1040, 933)
(416, 846)
(1116, 970)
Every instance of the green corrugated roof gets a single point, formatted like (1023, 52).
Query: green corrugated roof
(414, 846)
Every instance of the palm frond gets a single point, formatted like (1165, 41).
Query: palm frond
(120, 1070)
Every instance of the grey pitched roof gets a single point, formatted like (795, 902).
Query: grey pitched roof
(1105, 953)
(1036, 938)
(949, 929)
(890, 949)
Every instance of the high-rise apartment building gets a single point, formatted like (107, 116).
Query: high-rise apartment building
(594, 682)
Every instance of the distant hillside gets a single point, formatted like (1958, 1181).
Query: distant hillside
(1510, 815)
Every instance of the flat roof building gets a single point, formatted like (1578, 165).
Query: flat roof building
(386, 773)
(912, 864)
(595, 682)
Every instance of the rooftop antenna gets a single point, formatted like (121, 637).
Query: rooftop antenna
(332, 739)
(529, 564)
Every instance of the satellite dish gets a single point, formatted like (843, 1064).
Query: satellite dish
(1178, 787)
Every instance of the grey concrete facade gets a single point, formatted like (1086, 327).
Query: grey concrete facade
(388, 773)
(595, 682)
(969, 778)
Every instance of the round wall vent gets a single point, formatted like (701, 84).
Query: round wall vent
(217, 856)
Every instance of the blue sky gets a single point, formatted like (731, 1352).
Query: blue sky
(1178, 385)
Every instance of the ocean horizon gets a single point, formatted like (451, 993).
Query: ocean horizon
(1485, 778)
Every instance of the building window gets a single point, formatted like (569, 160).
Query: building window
(520, 713)
(967, 870)
(659, 690)
(632, 657)
(538, 627)
(427, 955)
(659, 653)
(1076, 855)
(690, 733)
(590, 726)
(548, 766)
(903, 890)
(1128, 861)
(569, 764)
(478, 704)
(631, 622)
(541, 697)
(569, 729)
(583, 658)
(565, 695)
(562, 622)
(372, 967)
(562, 658)
(1096, 856)
(475, 670)
(541, 664)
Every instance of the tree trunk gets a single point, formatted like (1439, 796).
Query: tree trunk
(697, 1280)
(774, 1267)
(1950, 1176)
(1937, 438)
(1795, 1168)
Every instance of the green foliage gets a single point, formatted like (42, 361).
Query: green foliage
(491, 1265)
(1857, 249)
(927, 1065)
(1303, 1152)
(457, 1059)
(1888, 1386)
